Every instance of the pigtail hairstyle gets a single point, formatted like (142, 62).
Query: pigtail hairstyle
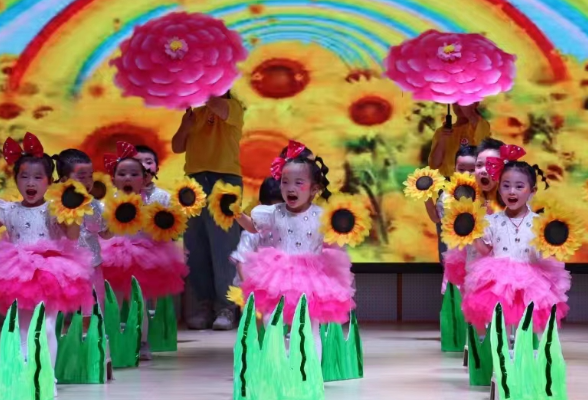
(540, 173)
(322, 179)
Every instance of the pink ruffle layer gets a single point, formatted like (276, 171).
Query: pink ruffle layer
(454, 262)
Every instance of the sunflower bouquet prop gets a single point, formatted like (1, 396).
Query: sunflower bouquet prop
(479, 358)
(69, 202)
(527, 376)
(102, 188)
(163, 326)
(126, 342)
(461, 186)
(557, 234)
(463, 223)
(19, 379)
(163, 223)
(82, 359)
(124, 214)
(189, 196)
(266, 371)
(342, 358)
(424, 184)
(224, 204)
(453, 326)
(345, 220)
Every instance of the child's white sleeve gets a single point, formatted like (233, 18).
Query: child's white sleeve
(263, 218)
(95, 223)
(249, 243)
(488, 237)
(3, 206)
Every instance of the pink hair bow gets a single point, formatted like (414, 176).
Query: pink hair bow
(293, 151)
(508, 152)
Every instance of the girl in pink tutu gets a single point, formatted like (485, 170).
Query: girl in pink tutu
(40, 258)
(77, 165)
(511, 271)
(296, 262)
(159, 267)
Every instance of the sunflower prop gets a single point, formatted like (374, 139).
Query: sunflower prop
(165, 223)
(235, 296)
(69, 202)
(462, 186)
(463, 223)
(557, 234)
(124, 214)
(190, 196)
(224, 204)
(345, 220)
(102, 186)
(424, 184)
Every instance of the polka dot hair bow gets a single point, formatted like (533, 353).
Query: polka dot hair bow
(123, 150)
(508, 153)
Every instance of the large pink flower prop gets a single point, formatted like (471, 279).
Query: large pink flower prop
(179, 60)
(451, 67)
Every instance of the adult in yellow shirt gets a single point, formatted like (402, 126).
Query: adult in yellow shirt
(469, 129)
(209, 136)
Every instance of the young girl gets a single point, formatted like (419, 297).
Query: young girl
(511, 271)
(150, 161)
(75, 164)
(296, 263)
(158, 267)
(40, 258)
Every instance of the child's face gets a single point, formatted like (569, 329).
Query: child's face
(297, 188)
(465, 164)
(148, 161)
(484, 181)
(515, 189)
(83, 173)
(129, 177)
(32, 183)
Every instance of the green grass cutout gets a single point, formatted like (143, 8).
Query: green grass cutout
(163, 326)
(342, 358)
(453, 325)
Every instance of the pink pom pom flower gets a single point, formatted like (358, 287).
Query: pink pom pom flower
(451, 67)
(179, 60)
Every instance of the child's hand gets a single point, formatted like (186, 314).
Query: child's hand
(106, 235)
(72, 232)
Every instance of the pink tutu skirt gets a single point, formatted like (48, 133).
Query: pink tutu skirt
(159, 267)
(325, 278)
(515, 285)
(57, 273)
(454, 262)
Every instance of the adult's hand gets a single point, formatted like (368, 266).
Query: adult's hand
(181, 136)
(189, 118)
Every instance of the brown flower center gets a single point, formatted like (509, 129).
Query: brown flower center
(279, 78)
(370, 111)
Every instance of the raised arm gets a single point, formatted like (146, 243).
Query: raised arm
(439, 148)
(432, 211)
(181, 136)
(219, 106)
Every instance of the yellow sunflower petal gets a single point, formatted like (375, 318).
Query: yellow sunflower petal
(10, 194)
(235, 296)
(224, 204)
(124, 214)
(345, 220)
(189, 196)
(463, 223)
(424, 184)
(103, 187)
(460, 186)
(69, 202)
(557, 233)
(165, 223)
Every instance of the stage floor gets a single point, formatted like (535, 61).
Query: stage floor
(402, 362)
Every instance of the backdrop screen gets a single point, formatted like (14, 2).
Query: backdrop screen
(314, 74)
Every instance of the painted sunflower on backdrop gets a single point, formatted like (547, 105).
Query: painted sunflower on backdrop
(11, 194)
(224, 204)
(463, 223)
(345, 220)
(288, 72)
(235, 296)
(165, 223)
(423, 184)
(69, 202)
(103, 187)
(189, 196)
(462, 186)
(557, 233)
(124, 214)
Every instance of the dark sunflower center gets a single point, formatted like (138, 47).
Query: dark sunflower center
(225, 203)
(464, 191)
(343, 221)
(164, 220)
(424, 183)
(125, 213)
(557, 233)
(464, 224)
(187, 197)
(98, 190)
(71, 199)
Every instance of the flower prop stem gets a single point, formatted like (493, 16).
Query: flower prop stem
(453, 326)
(448, 122)
(163, 326)
(342, 359)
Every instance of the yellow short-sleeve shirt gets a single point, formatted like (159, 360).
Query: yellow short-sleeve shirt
(463, 134)
(213, 144)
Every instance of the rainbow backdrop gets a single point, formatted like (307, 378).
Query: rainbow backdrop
(76, 37)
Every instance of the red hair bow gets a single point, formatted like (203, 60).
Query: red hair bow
(123, 150)
(293, 151)
(508, 152)
(31, 147)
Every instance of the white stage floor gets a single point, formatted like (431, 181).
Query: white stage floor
(402, 362)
